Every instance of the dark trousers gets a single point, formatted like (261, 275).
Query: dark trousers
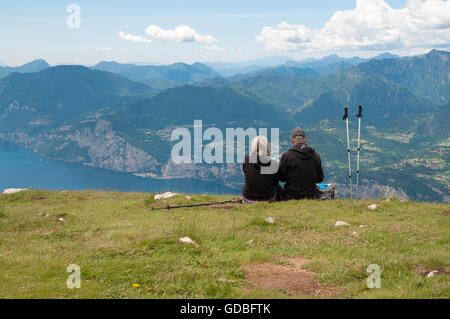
(281, 194)
(287, 196)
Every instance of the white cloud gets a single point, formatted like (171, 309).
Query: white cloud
(132, 38)
(372, 25)
(239, 49)
(104, 49)
(182, 33)
(215, 48)
(109, 49)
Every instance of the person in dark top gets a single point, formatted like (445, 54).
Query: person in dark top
(259, 184)
(301, 168)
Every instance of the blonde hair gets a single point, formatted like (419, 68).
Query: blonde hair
(259, 146)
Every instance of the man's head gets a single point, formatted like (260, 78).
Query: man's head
(298, 136)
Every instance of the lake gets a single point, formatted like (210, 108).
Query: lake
(21, 168)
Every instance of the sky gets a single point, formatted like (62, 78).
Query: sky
(161, 32)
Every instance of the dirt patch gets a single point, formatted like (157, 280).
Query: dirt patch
(35, 198)
(424, 271)
(446, 212)
(288, 277)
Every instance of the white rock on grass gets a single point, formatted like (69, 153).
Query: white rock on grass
(270, 220)
(355, 234)
(188, 197)
(14, 190)
(341, 223)
(250, 242)
(363, 226)
(372, 207)
(187, 240)
(432, 273)
(165, 195)
(227, 280)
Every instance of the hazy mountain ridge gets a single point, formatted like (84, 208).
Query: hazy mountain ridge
(160, 77)
(293, 89)
(30, 67)
(58, 94)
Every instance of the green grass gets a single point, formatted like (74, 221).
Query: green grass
(117, 240)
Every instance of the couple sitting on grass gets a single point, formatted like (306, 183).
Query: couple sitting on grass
(300, 168)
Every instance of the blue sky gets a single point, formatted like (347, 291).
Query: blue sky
(38, 29)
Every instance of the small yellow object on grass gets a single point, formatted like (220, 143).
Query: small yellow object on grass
(136, 285)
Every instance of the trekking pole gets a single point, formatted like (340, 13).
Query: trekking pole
(357, 158)
(198, 205)
(345, 118)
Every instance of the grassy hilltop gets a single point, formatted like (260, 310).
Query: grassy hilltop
(126, 250)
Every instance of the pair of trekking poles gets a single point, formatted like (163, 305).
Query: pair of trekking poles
(345, 118)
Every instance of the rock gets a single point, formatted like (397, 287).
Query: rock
(165, 195)
(188, 197)
(60, 219)
(372, 207)
(187, 240)
(363, 226)
(341, 223)
(250, 242)
(46, 215)
(388, 199)
(270, 220)
(432, 273)
(14, 190)
(227, 280)
(355, 234)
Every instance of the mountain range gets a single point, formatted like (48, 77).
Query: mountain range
(120, 116)
(59, 93)
(159, 77)
(31, 67)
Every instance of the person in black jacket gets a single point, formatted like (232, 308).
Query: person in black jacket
(259, 185)
(301, 168)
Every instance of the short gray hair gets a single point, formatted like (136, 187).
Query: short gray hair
(298, 131)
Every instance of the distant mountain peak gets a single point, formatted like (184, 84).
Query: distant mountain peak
(332, 56)
(199, 64)
(385, 55)
(30, 67)
(37, 63)
(436, 52)
(109, 63)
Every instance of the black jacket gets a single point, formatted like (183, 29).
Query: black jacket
(301, 169)
(258, 187)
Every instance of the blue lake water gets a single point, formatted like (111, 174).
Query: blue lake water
(21, 168)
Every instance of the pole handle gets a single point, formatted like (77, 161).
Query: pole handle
(345, 114)
(360, 111)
